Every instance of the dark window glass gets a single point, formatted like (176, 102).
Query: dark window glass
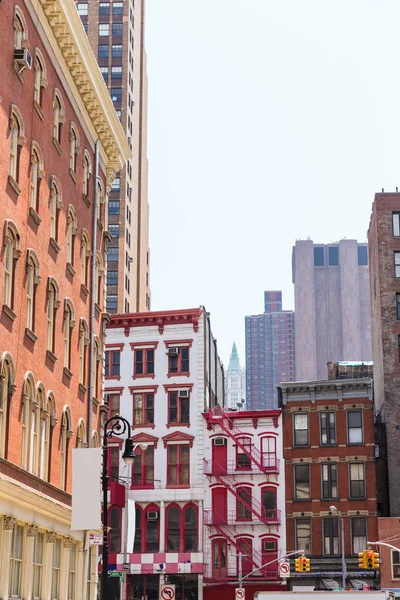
(358, 534)
(328, 428)
(354, 427)
(398, 307)
(333, 252)
(301, 482)
(319, 256)
(104, 8)
(185, 360)
(329, 481)
(137, 544)
(362, 255)
(113, 207)
(117, 29)
(103, 51)
(116, 51)
(243, 507)
(303, 535)
(115, 530)
(114, 230)
(112, 255)
(116, 94)
(331, 537)
(357, 480)
(190, 529)
(112, 303)
(118, 8)
(173, 529)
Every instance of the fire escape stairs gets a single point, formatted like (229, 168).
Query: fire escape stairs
(230, 483)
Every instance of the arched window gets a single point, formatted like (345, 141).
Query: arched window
(17, 140)
(71, 233)
(87, 169)
(73, 147)
(46, 434)
(81, 441)
(58, 116)
(32, 281)
(95, 440)
(98, 279)
(137, 544)
(115, 530)
(96, 366)
(173, 528)
(6, 383)
(243, 460)
(40, 81)
(69, 324)
(11, 255)
(268, 501)
(29, 424)
(246, 548)
(55, 206)
(152, 540)
(243, 510)
(20, 29)
(190, 528)
(53, 302)
(83, 343)
(100, 201)
(35, 430)
(85, 254)
(64, 447)
(36, 175)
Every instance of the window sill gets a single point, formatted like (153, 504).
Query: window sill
(177, 425)
(57, 145)
(144, 426)
(9, 312)
(178, 375)
(30, 334)
(67, 373)
(95, 401)
(172, 486)
(51, 356)
(100, 225)
(54, 245)
(70, 269)
(82, 388)
(86, 200)
(117, 377)
(14, 185)
(33, 213)
(97, 308)
(302, 500)
(84, 289)
(145, 376)
(107, 235)
(73, 175)
(142, 487)
(38, 109)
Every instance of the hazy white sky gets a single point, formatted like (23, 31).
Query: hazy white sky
(268, 121)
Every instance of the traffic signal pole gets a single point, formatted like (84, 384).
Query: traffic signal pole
(344, 566)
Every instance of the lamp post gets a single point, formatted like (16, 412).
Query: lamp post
(344, 568)
(116, 425)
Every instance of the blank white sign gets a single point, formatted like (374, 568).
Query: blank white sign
(86, 488)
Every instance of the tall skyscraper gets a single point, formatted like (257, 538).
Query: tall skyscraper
(116, 35)
(269, 352)
(384, 254)
(332, 306)
(235, 385)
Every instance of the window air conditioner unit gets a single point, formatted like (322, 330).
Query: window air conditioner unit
(184, 393)
(219, 441)
(23, 58)
(173, 351)
(152, 515)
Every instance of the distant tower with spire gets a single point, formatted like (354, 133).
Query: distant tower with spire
(235, 385)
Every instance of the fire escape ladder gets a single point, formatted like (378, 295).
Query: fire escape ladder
(235, 433)
(229, 534)
(230, 483)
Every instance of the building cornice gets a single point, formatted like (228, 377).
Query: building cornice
(159, 319)
(65, 33)
(311, 391)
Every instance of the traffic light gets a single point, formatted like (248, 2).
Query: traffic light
(302, 564)
(362, 562)
(297, 565)
(375, 560)
(307, 564)
(369, 559)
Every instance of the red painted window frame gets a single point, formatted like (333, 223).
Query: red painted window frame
(269, 488)
(116, 410)
(143, 527)
(239, 451)
(179, 370)
(144, 422)
(178, 465)
(238, 502)
(145, 362)
(179, 409)
(119, 510)
(112, 364)
(269, 454)
(142, 454)
(182, 511)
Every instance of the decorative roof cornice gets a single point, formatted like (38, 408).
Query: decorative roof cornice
(159, 319)
(338, 389)
(79, 61)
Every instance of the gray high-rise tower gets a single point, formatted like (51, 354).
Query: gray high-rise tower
(332, 305)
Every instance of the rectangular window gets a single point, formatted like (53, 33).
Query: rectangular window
(116, 51)
(398, 345)
(178, 457)
(116, 72)
(357, 480)
(56, 568)
(328, 428)
(333, 256)
(301, 482)
(111, 302)
(362, 252)
(104, 8)
(118, 8)
(243, 512)
(396, 224)
(329, 481)
(331, 537)
(82, 9)
(116, 94)
(113, 207)
(115, 186)
(16, 561)
(144, 362)
(319, 256)
(303, 535)
(72, 572)
(143, 467)
(358, 534)
(114, 230)
(38, 566)
(104, 72)
(300, 425)
(178, 360)
(178, 408)
(112, 363)
(354, 427)
(113, 405)
(112, 277)
(117, 29)
(143, 409)
(113, 463)
(103, 51)
(398, 307)
(112, 255)
(395, 564)
(104, 29)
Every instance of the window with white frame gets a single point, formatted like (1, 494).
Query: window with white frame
(38, 562)
(83, 343)
(58, 117)
(357, 480)
(69, 323)
(11, 254)
(5, 381)
(354, 427)
(395, 557)
(71, 234)
(16, 561)
(32, 281)
(300, 429)
(53, 302)
(56, 570)
(73, 553)
(55, 204)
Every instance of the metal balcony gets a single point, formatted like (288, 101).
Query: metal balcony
(271, 517)
(271, 465)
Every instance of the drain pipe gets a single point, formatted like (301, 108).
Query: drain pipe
(92, 366)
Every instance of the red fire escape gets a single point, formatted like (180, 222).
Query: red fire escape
(225, 522)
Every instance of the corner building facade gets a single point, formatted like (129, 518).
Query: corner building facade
(162, 373)
(58, 132)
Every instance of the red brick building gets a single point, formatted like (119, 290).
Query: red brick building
(61, 144)
(328, 447)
